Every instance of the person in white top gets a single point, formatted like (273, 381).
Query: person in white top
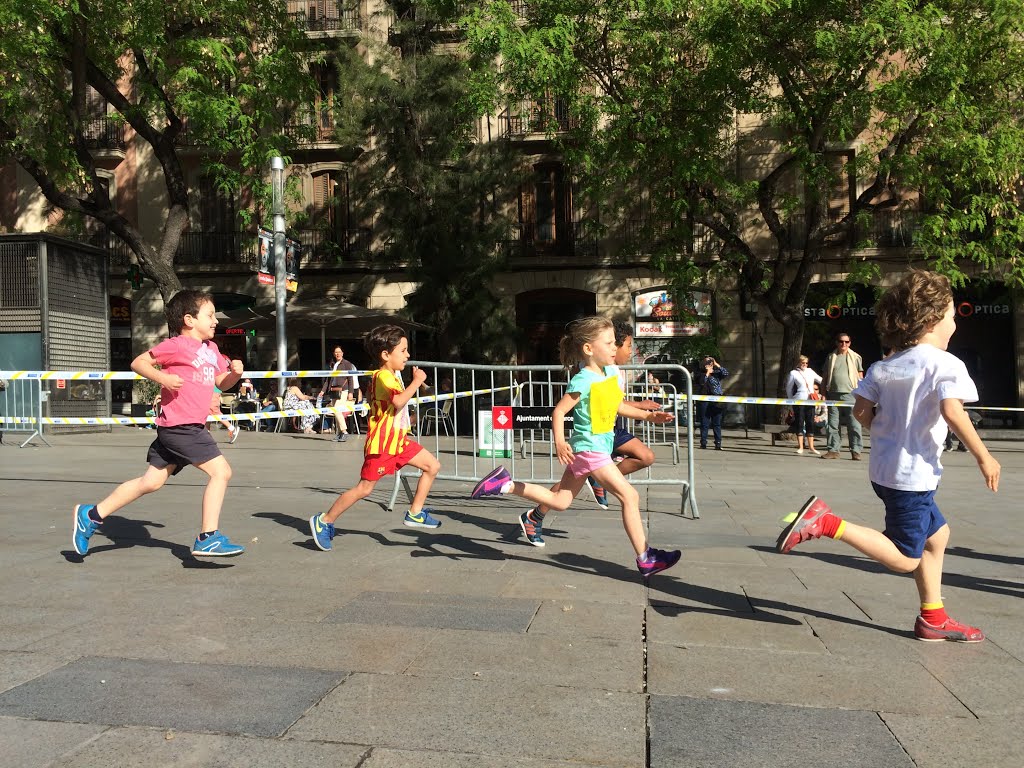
(907, 400)
(798, 387)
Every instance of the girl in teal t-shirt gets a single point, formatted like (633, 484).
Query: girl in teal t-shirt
(595, 399)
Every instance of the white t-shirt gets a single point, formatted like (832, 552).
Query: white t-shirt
(908, 430)
(798, 386)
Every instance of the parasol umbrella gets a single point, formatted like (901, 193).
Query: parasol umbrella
(322, 311)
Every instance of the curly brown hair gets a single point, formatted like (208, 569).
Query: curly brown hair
(911, 308)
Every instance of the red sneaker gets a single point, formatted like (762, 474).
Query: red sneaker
(805, 527)
(950, 629)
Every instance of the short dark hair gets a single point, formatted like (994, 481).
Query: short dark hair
(911, 308)
(623, 331)
(187, 302)
(839, 334)
(383, 338)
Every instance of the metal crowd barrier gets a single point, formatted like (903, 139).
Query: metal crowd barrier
(496, 416)
(21, 408)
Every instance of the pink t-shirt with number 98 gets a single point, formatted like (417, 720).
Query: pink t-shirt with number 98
(197, 363)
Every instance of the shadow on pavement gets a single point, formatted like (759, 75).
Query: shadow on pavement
(125, 532)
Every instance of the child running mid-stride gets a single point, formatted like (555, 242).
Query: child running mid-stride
(907, 400)
(595, 399)
(387, 446)
(190, 367)
(628, 450)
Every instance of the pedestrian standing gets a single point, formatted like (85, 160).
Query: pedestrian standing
(844, 369)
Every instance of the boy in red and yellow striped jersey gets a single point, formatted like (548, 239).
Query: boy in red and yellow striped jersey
(388, 447)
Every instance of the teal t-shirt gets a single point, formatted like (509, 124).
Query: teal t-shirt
(594, 415)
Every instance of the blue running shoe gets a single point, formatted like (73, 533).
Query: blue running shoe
(600, 495)
(85, 527)
(421, 519)
(532, 529)
(322, 532)
(658, 560)
(216, 545)
(492, 483)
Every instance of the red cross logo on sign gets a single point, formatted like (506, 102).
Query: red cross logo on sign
(501, 417)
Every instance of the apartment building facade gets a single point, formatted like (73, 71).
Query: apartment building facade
(557, 267)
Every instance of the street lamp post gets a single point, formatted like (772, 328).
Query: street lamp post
(280, 271)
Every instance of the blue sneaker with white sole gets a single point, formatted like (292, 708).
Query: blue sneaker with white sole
(422, 519)
(322, 532)
(85, 527)
(216, 545)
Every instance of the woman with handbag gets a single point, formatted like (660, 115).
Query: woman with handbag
(798, 387)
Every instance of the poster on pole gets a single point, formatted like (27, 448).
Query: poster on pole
(267, 264)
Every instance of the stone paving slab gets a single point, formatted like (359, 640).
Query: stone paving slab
(411, 609)
(725, 734)
(688, 629)
(397, 758)
(580, 618)
(31, 744)
(261, 701)
(958, 742)
(798, 679)
(501, 719)
(17, 668)
(530, 659)
(148, 748)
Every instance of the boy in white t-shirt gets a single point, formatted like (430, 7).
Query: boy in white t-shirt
(907, 400)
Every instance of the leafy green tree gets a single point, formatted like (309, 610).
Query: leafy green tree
(213, 74)
(783, 132)
(435, 193)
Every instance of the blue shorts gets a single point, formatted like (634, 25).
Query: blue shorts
(622, 436)
(911, 518)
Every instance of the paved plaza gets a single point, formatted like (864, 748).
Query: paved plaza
(467, 647)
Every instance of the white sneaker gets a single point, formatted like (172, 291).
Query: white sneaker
(799, 450)
(815, 451)
(234, 434)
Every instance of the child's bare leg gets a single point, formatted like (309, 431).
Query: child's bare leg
(130, 490)
(430, 466)
(358, 492)
(878, 547)
(638, 456)
(928, 575)
(219, 472)
(611, 478)
(567, 487)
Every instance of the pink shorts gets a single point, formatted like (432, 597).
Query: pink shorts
(585, 462)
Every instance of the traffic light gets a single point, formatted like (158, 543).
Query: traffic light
(135, 276)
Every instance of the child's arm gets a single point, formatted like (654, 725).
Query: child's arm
(632, 412)
(863, 411)
(562, 407)
(403, 397)
(230, 377)
(644, 405)
(958, 420)
(145, 365)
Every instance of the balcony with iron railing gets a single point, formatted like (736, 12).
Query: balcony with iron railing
(642, 237)
(883, 229)
(575, 241)
(327, 248)
(320, 248)
(536, 118)
(326, 16)
(311, 127)
(104, 133)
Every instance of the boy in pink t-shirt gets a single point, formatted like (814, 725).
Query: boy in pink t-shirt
(190, 367)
